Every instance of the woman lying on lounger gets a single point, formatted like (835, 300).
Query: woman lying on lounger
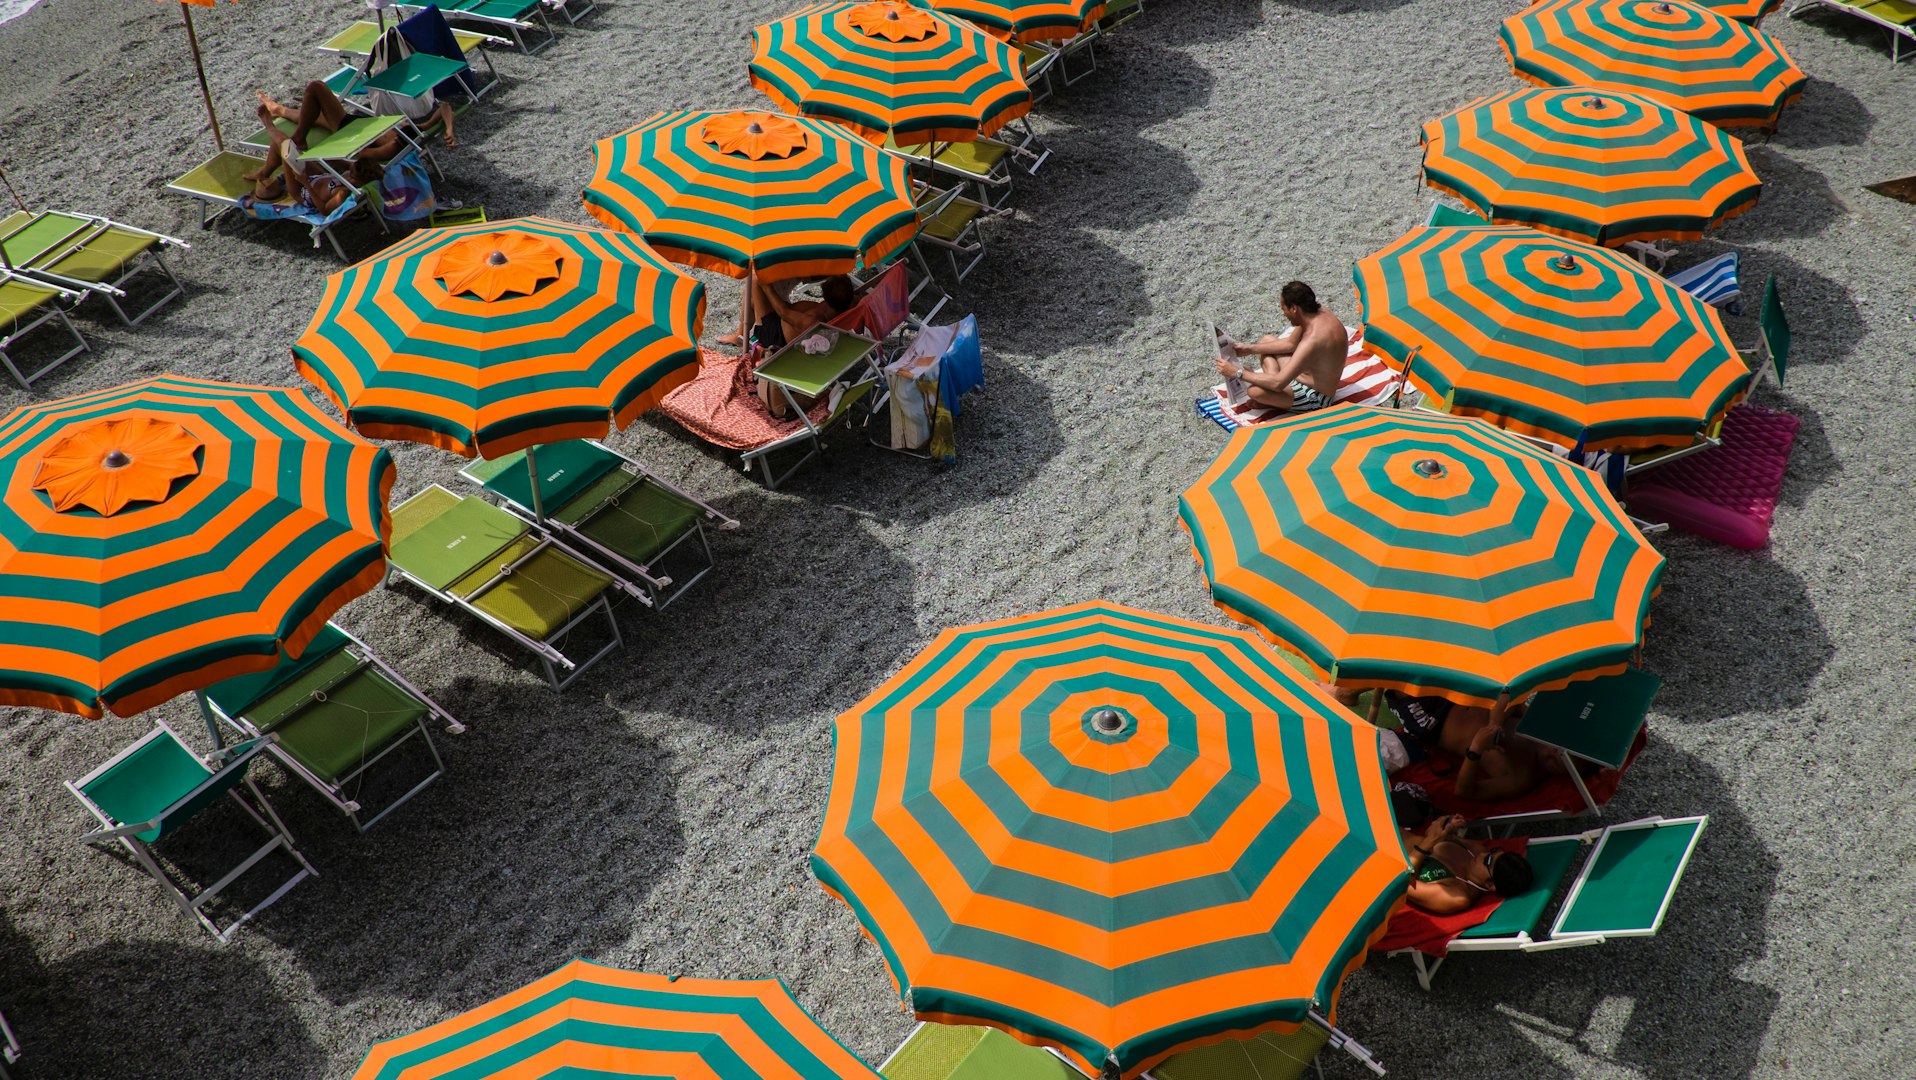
(1450, 873)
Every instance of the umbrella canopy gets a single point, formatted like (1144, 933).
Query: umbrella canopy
(589, 1020)
(1425, 553)
(753, 191)
(489, 338)
(1686, 57)
(890, 69)
(165, 535)
(1595, 165)
(1746, 11)
(1027, 20)
(1112, 832)
(1550, 337)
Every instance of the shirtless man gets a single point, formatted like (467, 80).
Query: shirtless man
(1300, 371)
(1496, 762)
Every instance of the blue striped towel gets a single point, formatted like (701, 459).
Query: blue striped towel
(1713, 281)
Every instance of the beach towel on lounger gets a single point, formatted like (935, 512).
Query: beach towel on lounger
(302, 212)
(1367, 380)
(1412, 927)
(1437, 775)
(721, 405)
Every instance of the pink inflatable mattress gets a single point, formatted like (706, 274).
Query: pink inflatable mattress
(1726, 493)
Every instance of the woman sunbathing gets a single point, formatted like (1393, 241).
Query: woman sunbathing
(1450, 873)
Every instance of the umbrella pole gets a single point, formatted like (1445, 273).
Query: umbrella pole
(532, 474)
(199, 68)
(18, 201)
(1376, 705)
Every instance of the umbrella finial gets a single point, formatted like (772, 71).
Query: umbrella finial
(1565, 261)
(1430, 469)
(497, 258)
(1595, 102)
(1108, 721)
(1664, 9)
(116, 459)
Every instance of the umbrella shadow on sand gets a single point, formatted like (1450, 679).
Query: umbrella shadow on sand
(93, 1013)
(1196, 22)
(1735, 633)
(1673, 1005)
(1797, 201)
(1825, 322)
(461, 882)
(1826, 115)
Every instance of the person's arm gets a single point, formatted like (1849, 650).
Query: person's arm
(1268, 345)
(1433, 896)
(1475, 781)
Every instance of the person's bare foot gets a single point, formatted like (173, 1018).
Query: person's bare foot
(451, 143)
(732, 341)
(273, 107)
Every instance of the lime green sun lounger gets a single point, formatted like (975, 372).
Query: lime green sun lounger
(1623, 890)
(954, 224)
(88, 254)
(611, 509)
(332, 713)
(150, 790)
(1266, 1057)
(218, 183)
(971, 1052)
(513, 18)
(504, 572)
(25, 306)
(1896, 17)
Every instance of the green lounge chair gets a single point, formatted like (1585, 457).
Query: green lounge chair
(612, 510)
(1119, 12)
(1596, 720)
(848, 369)
(1896, 17)
(1446, 216)
(356, 41)
(971, 1052)
(954, 224)
(25, 306)
(217, 185)
(1623, 890)
(332, 714)
(482, 560)
(1266, 1057)
(1038, 62)
(152, 788)
(1771, 356)
(985, 164)
(514, 18)
(88, 254)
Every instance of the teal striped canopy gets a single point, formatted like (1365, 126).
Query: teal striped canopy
(1115, 833)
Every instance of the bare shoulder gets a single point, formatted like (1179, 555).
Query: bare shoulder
(1333, 326)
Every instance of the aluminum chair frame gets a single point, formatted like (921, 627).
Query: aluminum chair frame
(239, 758)
(53, 311)
(109, 290)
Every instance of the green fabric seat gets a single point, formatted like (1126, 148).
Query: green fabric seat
(1900, 12)
(1269, 1056)
(362, 712)
(541, 595)
(646, 520)
(813, 376)
(235, 696)
(972, 1052)
(979, 158)
(1629, 879)
(1597, 719)
(155, 774)
(439, 537)
(21, 302)
(1521, 914)
(103, 253)
(950, 223)
(1444, 216)
(565, 470)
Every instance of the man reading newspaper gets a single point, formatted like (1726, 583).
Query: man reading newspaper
(1298, 372)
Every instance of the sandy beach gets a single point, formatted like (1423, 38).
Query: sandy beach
(658, 814)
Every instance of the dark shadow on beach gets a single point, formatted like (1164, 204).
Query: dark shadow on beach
(1735, 633)
(1797, 201)
(148, 1009)
(1826, 115)
(1669, 1006)
(1826, 324)
(468, 864)
(1044, 288)
(1194, 22)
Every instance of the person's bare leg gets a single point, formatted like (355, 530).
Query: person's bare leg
(1276, 399)
(444, 115)
(744, 314)
(267, 186)
(318, 107)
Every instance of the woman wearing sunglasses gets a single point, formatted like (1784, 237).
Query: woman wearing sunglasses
(1450, 873)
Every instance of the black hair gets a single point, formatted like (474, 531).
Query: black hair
(1510, 874)
(838, 292)
(1299, 295)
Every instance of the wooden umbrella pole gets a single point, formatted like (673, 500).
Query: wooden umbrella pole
(8, 180)
(199, 68)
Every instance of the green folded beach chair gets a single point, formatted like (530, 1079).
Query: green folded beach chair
(332, 713)
(1896, 17)
(971, 1052)
(849, 369)
(88, 254)
(613, 511)
(1266, 1057)
(1623, 890)
(217, 185)
(1771, 356)
(498, 568)
(1596, 720)
(25, 306)
(151, 789)
(1446, 216)
(513, 18)
(357, 41)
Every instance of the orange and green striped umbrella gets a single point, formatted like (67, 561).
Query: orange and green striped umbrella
(1426, 553)
(1744, 11)
(741, 192)
(489, 338)
(1594, 165)
(1111, 832)
(1687, 57)
(1027, 20)
(1550, 337)
(164, 535)
(588, 1020)
(887, 68)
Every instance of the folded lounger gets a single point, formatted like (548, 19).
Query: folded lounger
(9, 1049)
(329, 716)
(514, 18)
(511, 576)
(1895, 17)
(26, 305)
(1598, 721)
(613, 510)
(217, 185)
(721, 407)
(88, 254)
(147, 791)
(356, 41)
(986, 164)
(1623, 890)
(1713, 281)
(953, 224)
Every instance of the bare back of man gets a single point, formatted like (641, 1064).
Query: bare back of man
(1298, 371)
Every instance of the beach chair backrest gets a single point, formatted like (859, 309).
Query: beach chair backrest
(1518, 917)
(883, 308)
(1445, 216)
(1626, 885)
(159, 780)
(1775, 329)
(428, 32)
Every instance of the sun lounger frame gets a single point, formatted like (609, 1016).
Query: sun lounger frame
(856, 389)
(516, 28)
(111, 291)
(333, 791)
(550, 656)
(1555, 938)
(654, 591)
(1897, 31)
(367, 195)
(51, 309)
(238, 758)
